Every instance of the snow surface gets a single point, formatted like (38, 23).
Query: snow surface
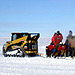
(3, 40)
(36, 65)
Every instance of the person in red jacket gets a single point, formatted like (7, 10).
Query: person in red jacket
(61, 50)
(53, 38)
(58, 37)
(50, 49)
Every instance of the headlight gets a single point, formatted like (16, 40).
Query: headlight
(25, 47)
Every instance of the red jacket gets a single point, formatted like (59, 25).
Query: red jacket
(58, 38)
(53, 39)
(61, 48)
(51, 47)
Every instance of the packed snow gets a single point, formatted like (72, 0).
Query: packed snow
(36, 65)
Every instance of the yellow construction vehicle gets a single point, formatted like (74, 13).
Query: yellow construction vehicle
(21, 44)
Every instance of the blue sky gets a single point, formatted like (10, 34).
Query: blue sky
(43, 16)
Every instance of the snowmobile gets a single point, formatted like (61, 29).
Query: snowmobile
(21, 44)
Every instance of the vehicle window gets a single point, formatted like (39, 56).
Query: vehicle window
(24, 35)
(14, 37)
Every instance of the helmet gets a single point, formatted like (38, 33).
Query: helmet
(70, 31)
(58, 32)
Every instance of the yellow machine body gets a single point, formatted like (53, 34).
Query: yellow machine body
(28, 43)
